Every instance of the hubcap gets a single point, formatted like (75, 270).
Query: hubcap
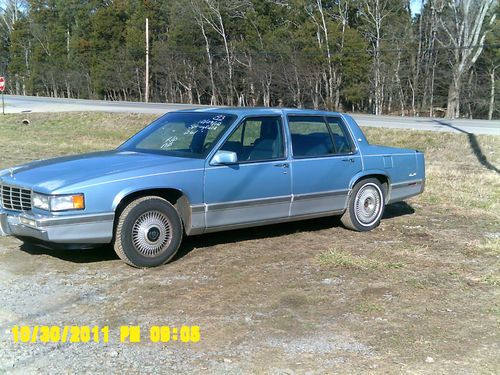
(368, 204)
(151, 233)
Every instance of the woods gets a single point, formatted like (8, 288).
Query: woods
(375, 56)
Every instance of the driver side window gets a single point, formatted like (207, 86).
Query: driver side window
(257, 139)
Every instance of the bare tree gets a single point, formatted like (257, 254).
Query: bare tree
(491, 107)
(10, 12)
(343, 17)
(491, 60)
(464, 30)
(322, 38)
(200, 20)
(212, 15)
(375, 12)
(430, 60)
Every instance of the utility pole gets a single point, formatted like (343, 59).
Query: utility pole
(147, 61)
(2, 89)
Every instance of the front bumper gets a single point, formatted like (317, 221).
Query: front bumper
(74, 229)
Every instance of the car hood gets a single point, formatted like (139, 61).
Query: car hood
(47, 176)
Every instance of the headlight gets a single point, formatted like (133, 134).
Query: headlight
(41, 201)
(56, 203)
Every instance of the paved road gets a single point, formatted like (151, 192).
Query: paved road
(17, 104)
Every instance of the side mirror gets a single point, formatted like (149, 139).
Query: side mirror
(222, 157)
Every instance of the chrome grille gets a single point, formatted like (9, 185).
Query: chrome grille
(15, 198)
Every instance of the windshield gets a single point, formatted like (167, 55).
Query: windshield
(181, 134)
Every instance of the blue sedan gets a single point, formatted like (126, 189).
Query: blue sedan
(206, 170)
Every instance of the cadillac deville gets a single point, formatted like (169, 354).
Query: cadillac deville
(206, 170)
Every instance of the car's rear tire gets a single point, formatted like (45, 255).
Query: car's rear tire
(365, 207)
(148, 232)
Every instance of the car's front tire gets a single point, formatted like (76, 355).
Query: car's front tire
(365, 207)
(148, 232)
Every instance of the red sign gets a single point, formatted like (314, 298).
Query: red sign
(2, 84)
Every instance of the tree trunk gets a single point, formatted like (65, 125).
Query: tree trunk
(329, 79)
(453, 109)
(492, 94)
(467, 35)
(213, 97)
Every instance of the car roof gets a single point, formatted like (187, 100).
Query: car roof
(257, 111)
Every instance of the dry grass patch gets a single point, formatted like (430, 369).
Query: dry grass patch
(342, 259)
(57, 134)
(490, 246)
(460, 170)
(491, 279)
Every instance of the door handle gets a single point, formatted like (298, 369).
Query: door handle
(351, 160)
(282, 165)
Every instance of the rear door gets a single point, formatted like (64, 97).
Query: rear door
(324, 160)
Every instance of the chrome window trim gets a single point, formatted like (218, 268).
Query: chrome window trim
(327, 157)
(242, 165)
(234, 128)
(346, 129)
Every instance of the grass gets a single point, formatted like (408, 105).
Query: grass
(453, 165)
(57, 134)
(490, 246)
(338, 258)
(366, 307)
(342, 259)
(492, 280)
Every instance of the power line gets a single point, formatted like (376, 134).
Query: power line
(345, 51)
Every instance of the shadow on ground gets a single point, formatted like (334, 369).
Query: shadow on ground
(106, 252)
(474, 144)
(98, 254)
(256, 233)
(397, 209)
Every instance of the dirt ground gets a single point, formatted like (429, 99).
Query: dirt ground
(420, 294)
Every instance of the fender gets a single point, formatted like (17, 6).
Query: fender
(369, 172)
(122, 194)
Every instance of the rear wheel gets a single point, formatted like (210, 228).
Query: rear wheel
(148, 233)
(365, 207)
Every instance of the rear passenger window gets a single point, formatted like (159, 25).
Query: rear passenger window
(341, 140)
(310, 136)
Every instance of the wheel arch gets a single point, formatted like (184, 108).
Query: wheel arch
(175, 197)
(380, 175)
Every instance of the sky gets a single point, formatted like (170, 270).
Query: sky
(415, 6)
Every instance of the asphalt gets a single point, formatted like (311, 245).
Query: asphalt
(19, 104)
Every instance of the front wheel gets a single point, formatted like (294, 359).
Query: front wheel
(365, 207)
(148, 232)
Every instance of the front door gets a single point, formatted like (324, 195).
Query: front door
(257, 188)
